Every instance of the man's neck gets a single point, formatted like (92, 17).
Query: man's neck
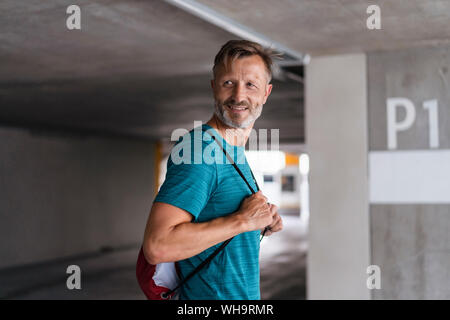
(233, 136)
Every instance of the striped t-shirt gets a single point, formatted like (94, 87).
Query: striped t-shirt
(208, 190)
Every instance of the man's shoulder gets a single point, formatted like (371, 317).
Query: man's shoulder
(195, 147)
(196, 141)
(200, 135)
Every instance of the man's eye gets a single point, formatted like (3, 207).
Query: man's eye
(228, 82)
(251, 84)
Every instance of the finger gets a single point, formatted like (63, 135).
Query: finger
(260, 194)
(266, 230)
(268, 233)
(274, 216)
(273, 208)
(277, 226)
(263, 203)
(276, 221)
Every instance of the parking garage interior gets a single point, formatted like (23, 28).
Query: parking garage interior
(86, 118)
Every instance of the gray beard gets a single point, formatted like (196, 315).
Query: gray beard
(220, 112)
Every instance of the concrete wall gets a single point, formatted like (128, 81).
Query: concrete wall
(410, 207)
(63, 195)
(336, 138)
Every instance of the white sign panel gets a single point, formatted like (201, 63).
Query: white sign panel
(416, 176)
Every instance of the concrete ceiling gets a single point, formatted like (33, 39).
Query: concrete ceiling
(117, 38)
(142, 68)
(322, 27)
(136, 68)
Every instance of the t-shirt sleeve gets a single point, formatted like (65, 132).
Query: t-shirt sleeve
(188, 185)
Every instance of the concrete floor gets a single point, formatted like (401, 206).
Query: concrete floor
(111, 275)
(283, 262)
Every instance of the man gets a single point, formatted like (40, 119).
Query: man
(199, 206)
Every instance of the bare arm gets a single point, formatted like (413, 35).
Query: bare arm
(171, 236)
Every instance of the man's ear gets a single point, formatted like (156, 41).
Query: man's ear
(268, 91)
(212, 84)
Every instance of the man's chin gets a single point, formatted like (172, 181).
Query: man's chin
(239, 125)
(236, 124)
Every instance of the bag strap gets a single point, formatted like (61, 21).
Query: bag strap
(240, 173)
(236, 167)
(205, 262)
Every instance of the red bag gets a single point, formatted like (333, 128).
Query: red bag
(161, 281)
(157, 281)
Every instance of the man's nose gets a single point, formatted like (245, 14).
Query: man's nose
(238, 94)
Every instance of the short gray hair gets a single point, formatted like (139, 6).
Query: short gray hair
(236, 49)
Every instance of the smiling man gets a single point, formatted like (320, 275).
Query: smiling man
(199, 206)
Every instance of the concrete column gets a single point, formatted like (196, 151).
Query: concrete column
(337, 142)
(409, 170)
(383, 153)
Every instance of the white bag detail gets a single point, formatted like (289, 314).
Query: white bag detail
(166, 275)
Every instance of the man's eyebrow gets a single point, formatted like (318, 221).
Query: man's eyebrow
(256, 79)
(248, 78)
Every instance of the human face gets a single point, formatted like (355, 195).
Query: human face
(240, 91)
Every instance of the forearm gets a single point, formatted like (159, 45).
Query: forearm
(189, 239)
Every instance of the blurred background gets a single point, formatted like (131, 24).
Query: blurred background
(362, 174)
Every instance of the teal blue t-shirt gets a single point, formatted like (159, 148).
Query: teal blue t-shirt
(204, 183)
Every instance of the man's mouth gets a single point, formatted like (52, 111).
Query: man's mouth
(237, 108)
